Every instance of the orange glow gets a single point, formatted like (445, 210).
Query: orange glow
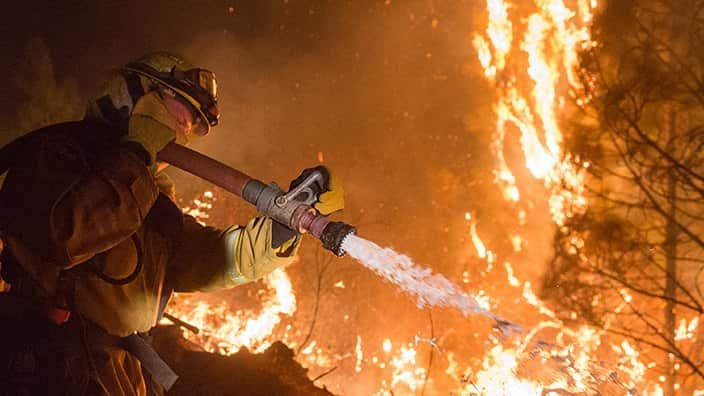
(530, 61)
(500, 31)
(226, 332)
(528, 101)
(406, 373)
(386, 345)
(359, 355)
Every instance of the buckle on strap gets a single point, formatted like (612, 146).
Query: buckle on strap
(58, 315)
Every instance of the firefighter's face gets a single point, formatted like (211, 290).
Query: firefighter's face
(190, 125)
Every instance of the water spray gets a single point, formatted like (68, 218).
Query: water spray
(294, 209)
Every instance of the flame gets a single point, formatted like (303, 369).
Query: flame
(386, 345)
(200, 207)
(493, 379)
(359, 355)
(500, 32)
(476, 240)
(686, 331)
(558, 27)
(406, 373)
(517, 242)
(512, 280)
(340, 284)
(225, 332)
(529, 104)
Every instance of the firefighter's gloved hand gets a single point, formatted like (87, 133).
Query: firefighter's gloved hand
(330, 199)
(151, 125)
(331, 195)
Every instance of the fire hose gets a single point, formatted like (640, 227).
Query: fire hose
(293, 208)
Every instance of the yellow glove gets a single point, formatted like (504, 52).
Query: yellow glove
(331, 195)
(332, 200)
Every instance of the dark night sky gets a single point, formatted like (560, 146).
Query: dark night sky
(87, 37)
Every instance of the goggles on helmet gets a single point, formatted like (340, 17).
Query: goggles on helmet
(197, 86)
(203, 87)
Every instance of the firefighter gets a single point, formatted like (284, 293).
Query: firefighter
(94, 245)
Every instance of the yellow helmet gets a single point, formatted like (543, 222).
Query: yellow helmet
(198, 87)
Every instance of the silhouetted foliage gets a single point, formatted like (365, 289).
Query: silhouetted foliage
(638, 272)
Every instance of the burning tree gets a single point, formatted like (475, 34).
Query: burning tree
(639, 272)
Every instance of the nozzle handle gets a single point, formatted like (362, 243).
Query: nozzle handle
(303, 188)
(297, 215)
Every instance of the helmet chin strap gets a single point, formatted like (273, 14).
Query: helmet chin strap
(167, 111)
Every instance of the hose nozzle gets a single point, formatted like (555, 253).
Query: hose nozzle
(297, 215)
(334, 234)
(288, 209)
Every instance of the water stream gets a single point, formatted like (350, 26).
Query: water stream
(428, 289)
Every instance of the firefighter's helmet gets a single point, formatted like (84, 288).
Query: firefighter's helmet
(198, 87)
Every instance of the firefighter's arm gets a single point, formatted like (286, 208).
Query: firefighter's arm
(207, 259)
(69, 208)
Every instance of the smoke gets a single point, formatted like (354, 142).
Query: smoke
(45, 98)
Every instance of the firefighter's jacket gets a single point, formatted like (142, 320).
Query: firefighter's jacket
(64, 205)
